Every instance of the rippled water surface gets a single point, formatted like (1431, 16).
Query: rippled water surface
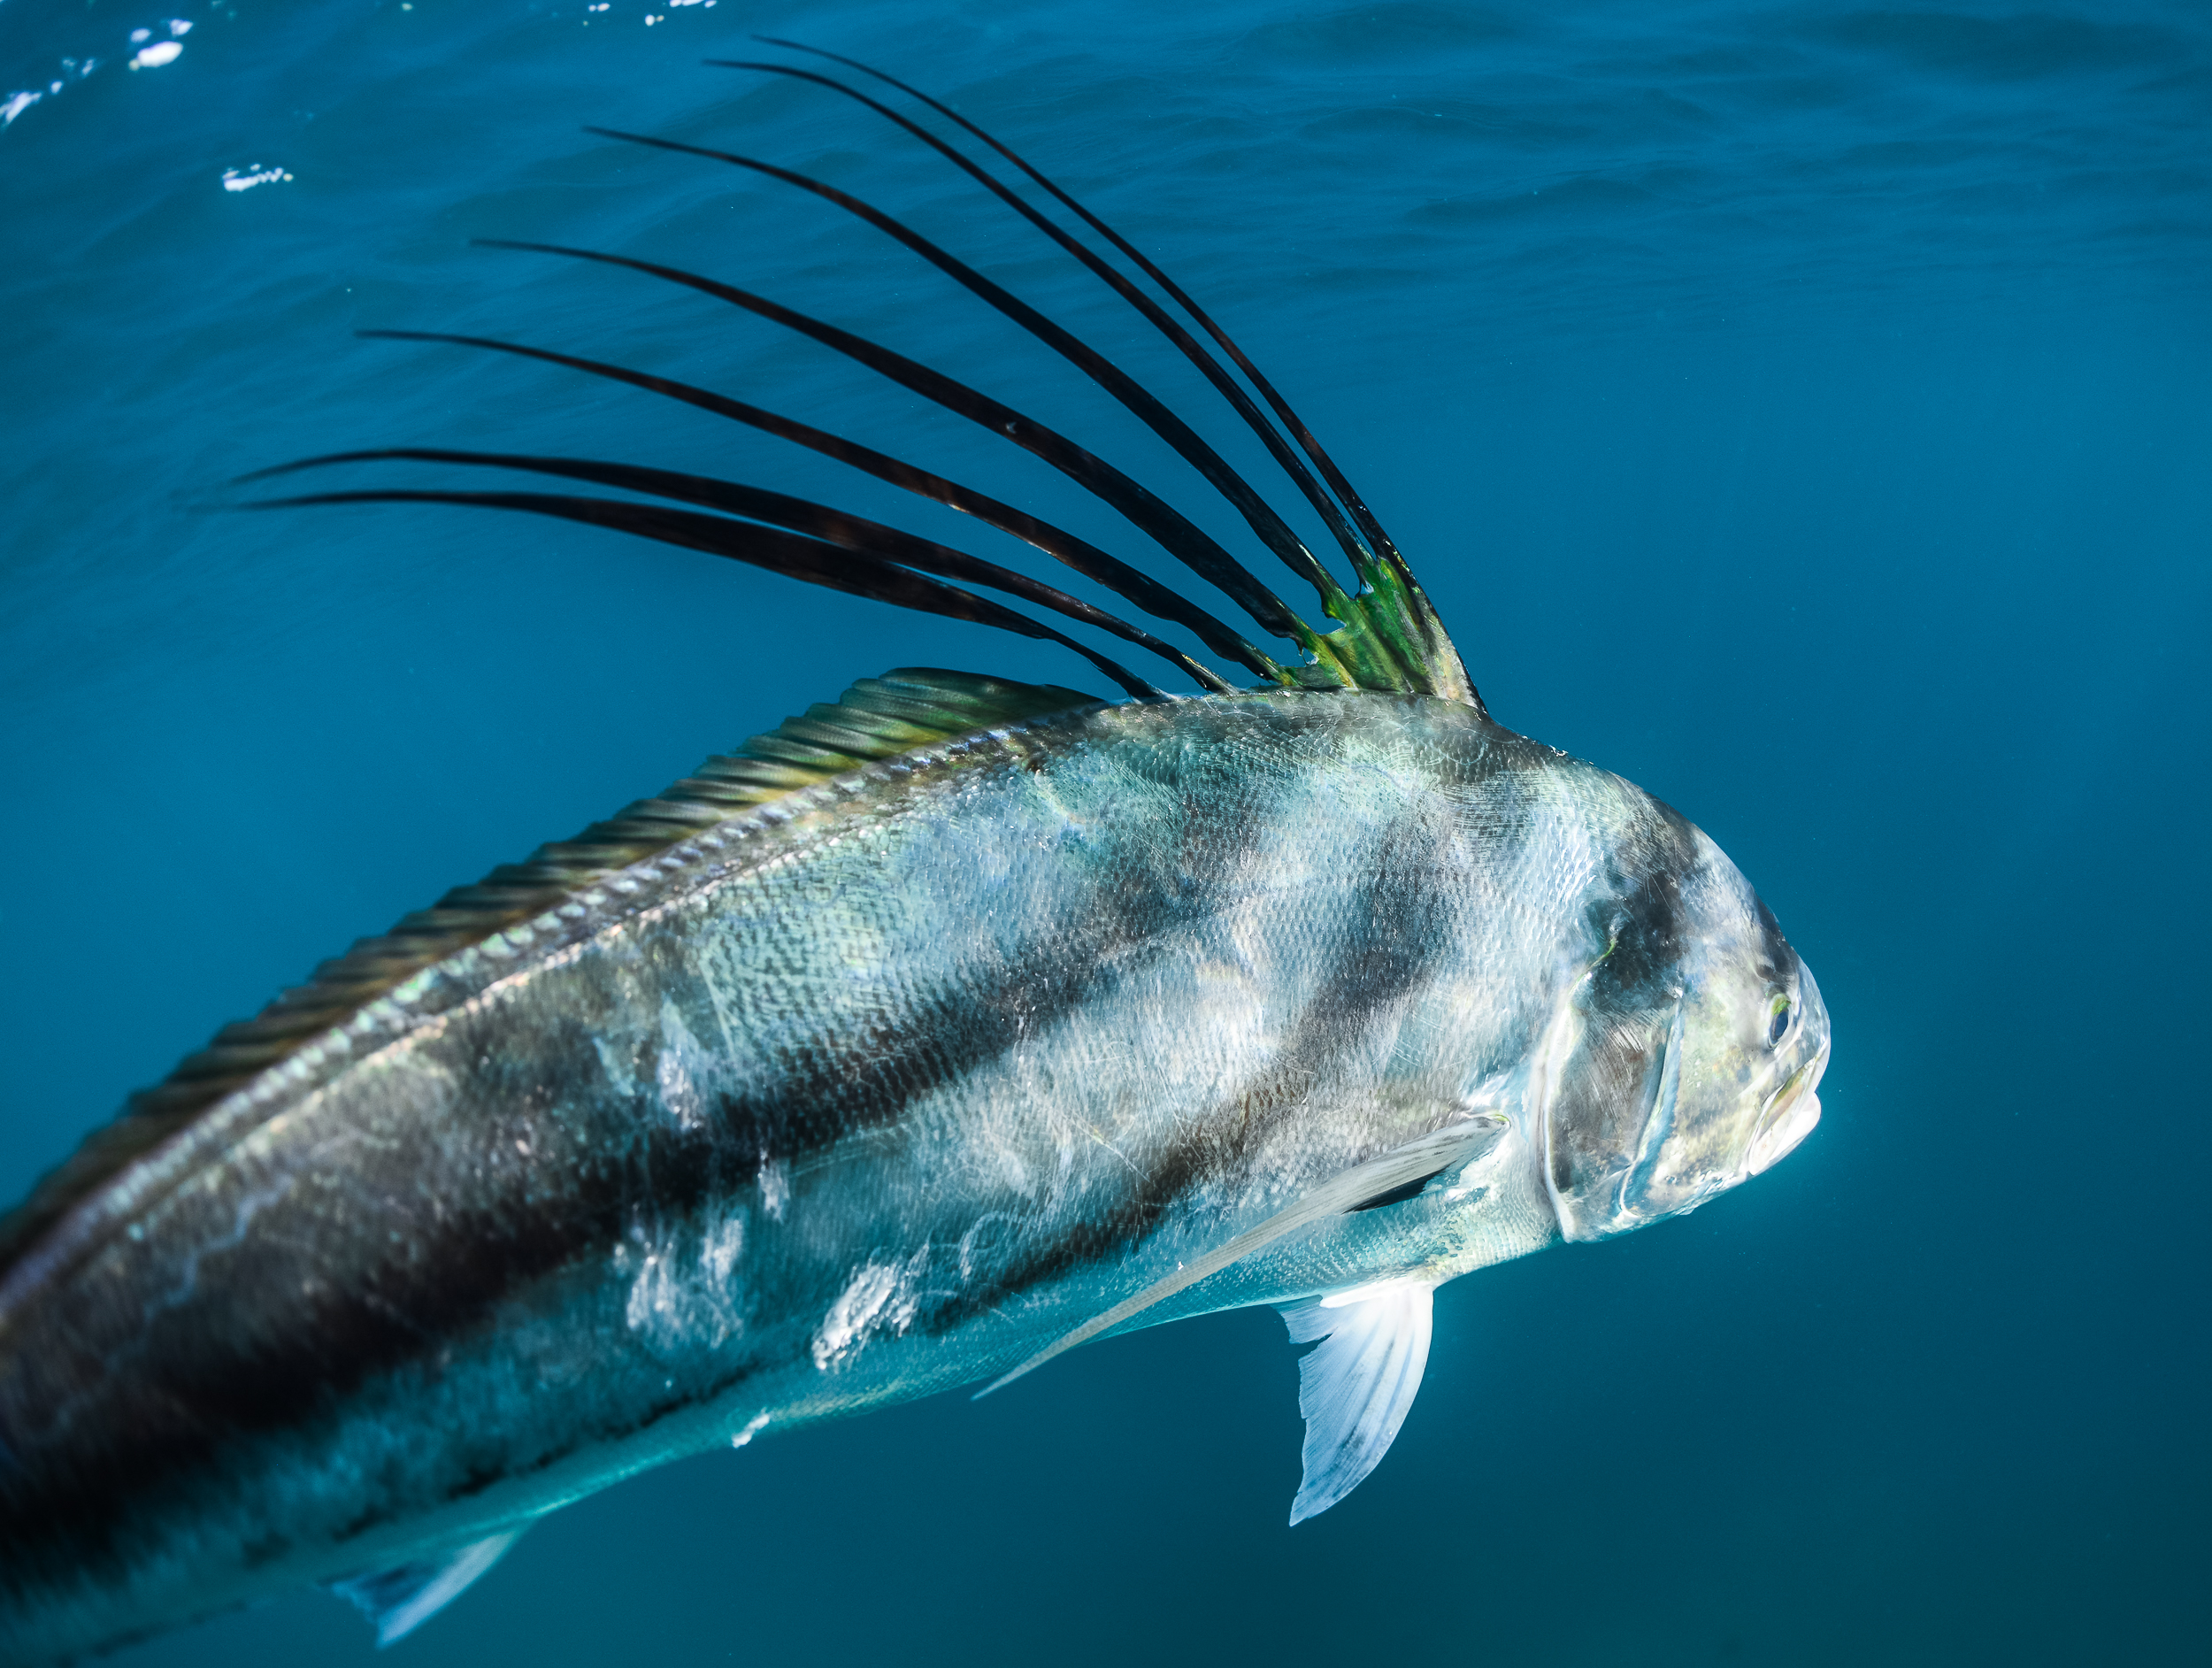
(1802, 409)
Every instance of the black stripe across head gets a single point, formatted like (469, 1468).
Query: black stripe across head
(1387, 637)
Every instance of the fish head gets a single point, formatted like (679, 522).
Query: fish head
(1688, 1056)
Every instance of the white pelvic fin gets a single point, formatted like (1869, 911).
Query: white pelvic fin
(401, 1599)
(1378, 1181)
(1354, 1391)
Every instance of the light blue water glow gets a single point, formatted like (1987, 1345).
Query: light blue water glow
(1801, 408)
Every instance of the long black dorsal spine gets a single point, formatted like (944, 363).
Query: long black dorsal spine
(1444, 665)
(1387, 637)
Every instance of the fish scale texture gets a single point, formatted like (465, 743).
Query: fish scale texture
(949, 1051)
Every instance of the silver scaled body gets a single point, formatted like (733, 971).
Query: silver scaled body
(856, 1096)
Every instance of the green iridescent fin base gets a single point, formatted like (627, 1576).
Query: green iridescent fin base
(877, 718)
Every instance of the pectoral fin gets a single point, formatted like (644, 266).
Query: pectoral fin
(401, 1599)
(1396, 1175)
(1354, 1391)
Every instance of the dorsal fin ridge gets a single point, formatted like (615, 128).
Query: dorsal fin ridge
(876, 720)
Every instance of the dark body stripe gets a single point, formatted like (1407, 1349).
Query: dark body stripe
(498, 1207)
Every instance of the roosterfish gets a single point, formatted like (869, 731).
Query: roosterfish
(948, 1025)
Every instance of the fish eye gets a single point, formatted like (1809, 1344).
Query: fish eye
(1780, 1023)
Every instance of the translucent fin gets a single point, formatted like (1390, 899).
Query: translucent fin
(1355, 1389)
(1397, 1174)
(401, 1599)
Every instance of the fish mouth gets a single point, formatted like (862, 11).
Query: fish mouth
(1787, 1118)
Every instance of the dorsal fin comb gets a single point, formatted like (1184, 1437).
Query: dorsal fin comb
(1387, 637)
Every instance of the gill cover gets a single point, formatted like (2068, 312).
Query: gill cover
(1692, 1047)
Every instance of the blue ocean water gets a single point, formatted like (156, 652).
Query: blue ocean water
(1801, 408)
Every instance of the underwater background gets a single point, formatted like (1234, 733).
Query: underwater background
(1803, 409)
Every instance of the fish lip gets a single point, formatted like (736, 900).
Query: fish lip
(1780, 1130)
(1792, 1110)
